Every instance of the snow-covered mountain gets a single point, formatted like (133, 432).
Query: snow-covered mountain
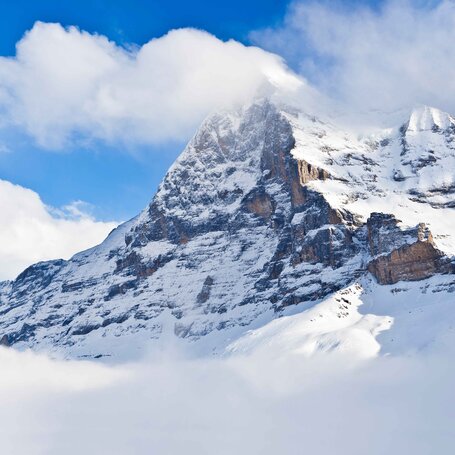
(273, 230)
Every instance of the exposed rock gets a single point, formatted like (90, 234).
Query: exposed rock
(308, 172)
(260, 203)
(410, 263)
(328, 245)
(384, 234)
(4, 341)
(204, 295)
(134, 264)
(118, 289)
(402, 255)
(78, 285)
(398, 175)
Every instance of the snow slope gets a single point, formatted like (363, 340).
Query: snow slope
(363, 320)
(333, 324)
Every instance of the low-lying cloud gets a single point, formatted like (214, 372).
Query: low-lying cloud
(250, 406)
(30, 231)
(393, 56)
(65, 85)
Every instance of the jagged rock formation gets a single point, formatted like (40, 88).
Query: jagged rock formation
(403, 255)
(258, 213)
(410, 263)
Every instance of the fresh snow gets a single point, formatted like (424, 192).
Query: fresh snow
(335, 324)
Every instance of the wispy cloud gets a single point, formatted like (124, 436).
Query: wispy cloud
(385, 58)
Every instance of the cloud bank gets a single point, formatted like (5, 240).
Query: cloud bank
(30, 231)
(251, 406)
(390, 57)
(65, 85)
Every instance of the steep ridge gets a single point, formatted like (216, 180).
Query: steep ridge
(266, 209)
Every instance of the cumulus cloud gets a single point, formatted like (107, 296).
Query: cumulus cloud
(30, 231)
(390, 57)
(67, 85)
(252, 406)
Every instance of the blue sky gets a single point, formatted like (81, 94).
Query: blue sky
(136, 21)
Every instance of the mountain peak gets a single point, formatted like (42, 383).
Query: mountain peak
(426, 118)
(266, 208)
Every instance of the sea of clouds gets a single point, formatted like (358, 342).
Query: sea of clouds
(325, 405)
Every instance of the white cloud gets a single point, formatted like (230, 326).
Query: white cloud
(395, 56)
(65, 84)
(31, 232)
(251, 405)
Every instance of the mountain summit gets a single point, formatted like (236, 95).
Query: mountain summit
(427, 118)
(267, 212)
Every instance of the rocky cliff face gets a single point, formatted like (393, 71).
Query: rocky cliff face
(403, 255)
(259, 213)
(410, 263)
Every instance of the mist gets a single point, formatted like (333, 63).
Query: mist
(327, 404)
(376, 60)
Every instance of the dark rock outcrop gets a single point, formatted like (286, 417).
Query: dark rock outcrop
(204, 295)
(413, 262)
(309, 172)
(402, 255)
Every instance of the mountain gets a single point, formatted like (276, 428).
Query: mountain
(273, 230)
